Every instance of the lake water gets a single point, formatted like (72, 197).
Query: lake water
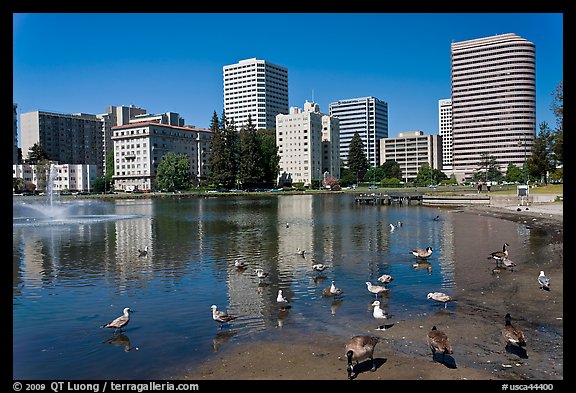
(72, 275)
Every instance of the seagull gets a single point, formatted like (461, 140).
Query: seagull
(512, 334)
(319, 267)
(299, 251)
(144, 252)
(499, 256)
(287, 225)
(378, 312)
(543, 281)
(420, 253)
(376, 289)
(261, 273)
(360, 348)
(280, 298)
(332, 290)
(399, 224)
(385, 278)
(438, 342)
(439, 297)
(221, 316)
(240, 264)
(508, 263)
(392, 227)
(119, 322)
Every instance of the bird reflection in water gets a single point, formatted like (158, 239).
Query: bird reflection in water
(220, 338)
(282, 315)
(335, 306)
(120, 340)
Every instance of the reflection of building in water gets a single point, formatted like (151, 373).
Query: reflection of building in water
(446, 260)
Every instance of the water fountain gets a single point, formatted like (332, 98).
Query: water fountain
(52, 210)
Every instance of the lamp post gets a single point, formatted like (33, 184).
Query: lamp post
(525, 168)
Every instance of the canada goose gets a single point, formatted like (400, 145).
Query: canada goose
(500, 255)
(319, 267)
(378, 312)
(332, 290)
(144, 252)
(439, 297)
(438, 342)
(512, 334)
(385, 278)
(423, 265)
(280, 298)
(260, 273)
(240, 264)
(376, 289)
(118, 323)
(221, 316)
(543, 281)
(359, 348)
(421, 253)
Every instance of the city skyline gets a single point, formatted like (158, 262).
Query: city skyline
(67, 63)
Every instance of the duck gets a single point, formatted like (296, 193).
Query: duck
(120, 322)
(512, 335)
(439, 297)
(359, 348)
(144, 252)
(238, 264)
(378, 312)
(221, 317)
(319, 267)
(438, 342)
(260, 273)
(376, 289)
(422, 253)
(500, 255)
(332, 290)
(385, 278)
(543, 281)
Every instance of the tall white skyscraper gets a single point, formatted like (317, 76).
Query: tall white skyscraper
(255, 87)
(493, 101)
(445, 131)
(368, 116)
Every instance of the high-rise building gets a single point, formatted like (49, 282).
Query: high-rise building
(15, 137)
(255, 87)
(368, 116)
(308, 145)
(493, 101)
(445, 131)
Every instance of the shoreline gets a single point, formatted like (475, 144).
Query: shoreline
(403, 354)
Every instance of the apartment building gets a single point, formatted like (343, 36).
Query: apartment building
(493, 101)
(15, 136)
(308, 145)
(410, 150)
(445, 131)
(368, 116)
(256, 87)
(139, 148)
(67, 177)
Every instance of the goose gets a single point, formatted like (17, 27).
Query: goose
(260, 273)
(500, 255)
(376, 289)
(438, 342)
(359, 348)
(332, 290)
(221, 316)
(385, 278)
(240, 264)
(280, 298)
(378, 312)
(437, 218)
(319, 267)
(422, 253)
(118, 323)
(144, 252)
(512, 334)
(299, 251)
(543, 281)
(439, 297)
(423, 265)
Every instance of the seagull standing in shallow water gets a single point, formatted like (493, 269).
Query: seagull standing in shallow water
(376, 289)
(543, 281)
(439, 297)
(378, 312)
(221, 316)
(118, 323)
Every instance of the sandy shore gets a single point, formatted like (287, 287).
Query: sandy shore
(474, 329)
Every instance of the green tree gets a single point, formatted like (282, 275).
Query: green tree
(270, 157)
(99, 184)
(541, 160)
(357, 161)
(558, 133)
(36, 153)
(42, 169)
(18, 184)
(173, 172)
(347, 177)
(391, 169)
(514, 174)
(220, 162)
(427, 175)
(250, 171)
(488, 169)
(375, 174)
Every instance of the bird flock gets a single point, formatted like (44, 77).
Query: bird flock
(361, 347)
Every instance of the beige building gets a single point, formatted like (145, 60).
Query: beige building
(69, 177)
(139, 148)
(493, 101)
(308, 145)
(445, 131)
(410, 150)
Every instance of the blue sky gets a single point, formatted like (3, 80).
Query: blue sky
(84, 62)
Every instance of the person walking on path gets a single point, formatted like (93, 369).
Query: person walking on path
(488, 185)
(479, 184)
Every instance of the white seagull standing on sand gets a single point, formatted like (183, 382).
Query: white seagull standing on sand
(378, 312)
(543, 281)
(119, 322)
